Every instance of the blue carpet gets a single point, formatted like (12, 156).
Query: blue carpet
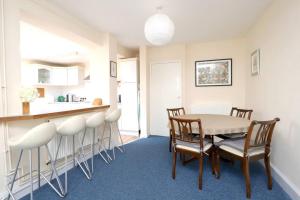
(144, 172)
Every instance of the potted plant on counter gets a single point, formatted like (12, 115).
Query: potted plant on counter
(27, 95)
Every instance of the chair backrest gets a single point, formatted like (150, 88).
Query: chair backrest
(182, 129)
(72, 126)
(260, 134)
(173, 112)
(114, 115)
(95, 120)
(241, 113)
(37, 136)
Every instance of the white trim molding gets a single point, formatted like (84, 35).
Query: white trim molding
(290, 188)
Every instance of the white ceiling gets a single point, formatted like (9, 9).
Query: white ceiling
(195, 20)
(38, 44)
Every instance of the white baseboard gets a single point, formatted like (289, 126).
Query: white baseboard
(290, 188)
(21, 191)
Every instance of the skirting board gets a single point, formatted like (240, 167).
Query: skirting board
(289, 187)
(25, 189)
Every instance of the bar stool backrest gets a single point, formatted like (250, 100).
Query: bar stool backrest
(95, 120)
(72, 126)
(113, 116)
(36, 137)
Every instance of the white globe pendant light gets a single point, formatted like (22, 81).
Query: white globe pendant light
(159, 29)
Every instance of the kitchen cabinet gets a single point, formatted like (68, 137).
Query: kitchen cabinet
(44, 75)
(50, 75)
(59, 76)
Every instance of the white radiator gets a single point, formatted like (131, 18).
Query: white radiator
(67, 148)
(211, 108)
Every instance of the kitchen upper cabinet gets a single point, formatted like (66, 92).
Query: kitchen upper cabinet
(59, 76)
(46, 75)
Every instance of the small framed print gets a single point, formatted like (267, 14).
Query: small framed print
(213, 73)
(255, 62)
(113, 69)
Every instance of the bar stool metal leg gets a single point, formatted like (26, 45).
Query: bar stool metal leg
(110, 141)
(73, 138)
(99, 152)
(62, 192)
(66, 171)
(56, 154)
(39, 167)
(31, 180)
(101, 145)
(93, 149)
(82, 159)
(14, 177)
(118, 130)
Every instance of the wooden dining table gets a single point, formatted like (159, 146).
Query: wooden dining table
(216, 124)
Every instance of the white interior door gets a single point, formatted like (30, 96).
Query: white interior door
(165, 92)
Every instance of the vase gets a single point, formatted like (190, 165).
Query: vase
(26, 107)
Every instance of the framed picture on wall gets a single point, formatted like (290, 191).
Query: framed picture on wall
(255, 62)
(213, 73)
(113, 69)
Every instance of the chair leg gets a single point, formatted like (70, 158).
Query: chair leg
(217, 164)
(81, 159)
(93, 148)
(110, 141)
(31, 179)
(120, 137)
(66, 170)
(268, 171)
(54, 172)
(14, 177)
(174, 164)
(103, 146)
(213, 161)
(170, 142)
(55, 159)
(247, 177)
(200, 172)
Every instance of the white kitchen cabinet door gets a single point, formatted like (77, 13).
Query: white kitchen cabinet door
(59, 76)
(73, 75)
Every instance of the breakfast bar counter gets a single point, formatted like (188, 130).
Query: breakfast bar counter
(54, 113)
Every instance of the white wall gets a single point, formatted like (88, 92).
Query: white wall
(275, 92)
(45, 15)
(226, 95)
(189, 53)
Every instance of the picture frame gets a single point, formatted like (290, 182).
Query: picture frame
(113, 69)
(255, 62)
(217, 72)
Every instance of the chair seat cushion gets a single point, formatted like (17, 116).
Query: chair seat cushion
(193, 147)
(236, 146)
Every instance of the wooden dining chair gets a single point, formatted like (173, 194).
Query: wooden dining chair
(256, 146)
(184, 142)
(173, 112)
(240, 113)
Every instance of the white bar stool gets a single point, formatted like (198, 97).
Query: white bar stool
(72, 127)
(94, 122)
(35, 138)
(112, 119)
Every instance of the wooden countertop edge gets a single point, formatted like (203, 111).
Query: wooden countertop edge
(53, 114)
